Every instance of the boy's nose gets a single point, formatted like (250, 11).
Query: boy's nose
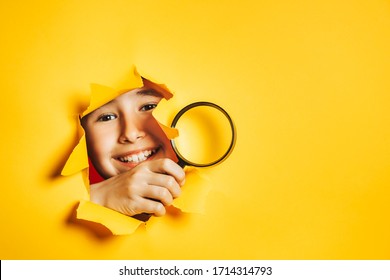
(131, 131)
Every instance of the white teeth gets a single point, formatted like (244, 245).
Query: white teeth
(141, 157)
(136, 158)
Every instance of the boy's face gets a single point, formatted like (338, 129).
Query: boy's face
(123, 133)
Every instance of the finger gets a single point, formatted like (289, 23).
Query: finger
(151, 207)
(169, 167)
(167, 182)
(160, 194)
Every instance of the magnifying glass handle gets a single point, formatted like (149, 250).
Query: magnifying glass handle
(181, 163)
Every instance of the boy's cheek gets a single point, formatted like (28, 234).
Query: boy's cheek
(161, 138)
(170, 153)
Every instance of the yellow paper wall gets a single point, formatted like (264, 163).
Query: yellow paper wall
(307, 83)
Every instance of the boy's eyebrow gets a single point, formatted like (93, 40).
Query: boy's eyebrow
(149, 91)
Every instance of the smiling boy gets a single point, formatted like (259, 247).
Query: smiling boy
(128, 148)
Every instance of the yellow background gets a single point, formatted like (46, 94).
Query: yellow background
(307, 83)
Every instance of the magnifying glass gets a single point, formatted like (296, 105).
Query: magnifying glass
(207, 135)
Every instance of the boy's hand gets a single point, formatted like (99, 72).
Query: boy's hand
(146, 188)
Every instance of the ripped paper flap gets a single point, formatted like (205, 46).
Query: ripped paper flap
(194, 192)
(116, 222)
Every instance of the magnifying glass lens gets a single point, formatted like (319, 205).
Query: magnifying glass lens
(205, 135)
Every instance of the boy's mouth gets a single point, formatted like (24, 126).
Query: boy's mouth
(137, 157)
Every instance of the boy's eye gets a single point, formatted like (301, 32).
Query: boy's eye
(148, 107)
(106, 117)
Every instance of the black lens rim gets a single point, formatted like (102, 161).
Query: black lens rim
(182, 160)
